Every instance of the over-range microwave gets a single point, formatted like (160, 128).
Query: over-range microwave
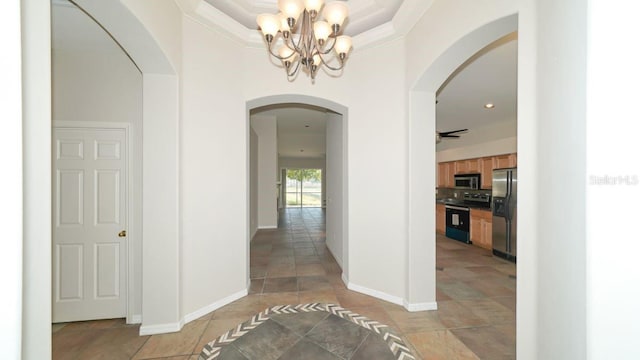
(467, 181)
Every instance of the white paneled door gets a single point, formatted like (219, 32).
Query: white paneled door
(90, 224)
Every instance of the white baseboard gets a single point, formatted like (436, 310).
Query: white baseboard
(269, 227)
(160, 329)
(345, 280)
(174, 327)
(426, 306)
(135, 319)
(375, 293)
(214, 306)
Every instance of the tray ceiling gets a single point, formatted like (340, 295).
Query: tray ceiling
(363, 14)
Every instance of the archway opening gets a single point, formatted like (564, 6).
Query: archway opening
(326, 150)
(422, 154)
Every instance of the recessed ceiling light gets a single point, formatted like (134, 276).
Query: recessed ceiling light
(489, 106)
(301, 150)
(306, 126)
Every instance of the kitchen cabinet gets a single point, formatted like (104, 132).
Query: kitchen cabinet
(446, 170)
(483, 166)
(473, 166)
(469, 166)
(481, 228)
(504, 161)
(461, 167)
(440, 219)
(486, 172)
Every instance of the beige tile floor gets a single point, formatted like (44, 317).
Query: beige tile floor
(291, 265)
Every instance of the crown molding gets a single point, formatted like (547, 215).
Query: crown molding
(402, 22)
(64, 3)
(408, 15)
(203, 11)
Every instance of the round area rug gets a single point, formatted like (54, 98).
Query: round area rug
(308, 332)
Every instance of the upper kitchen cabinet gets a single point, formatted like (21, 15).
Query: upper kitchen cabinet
(469, 166)
(483, 166)
(486, 172)
(446, 170)
(504, 161)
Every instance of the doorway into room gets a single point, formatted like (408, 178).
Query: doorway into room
(303, 188)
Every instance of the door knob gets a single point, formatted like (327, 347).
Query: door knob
(122, 233)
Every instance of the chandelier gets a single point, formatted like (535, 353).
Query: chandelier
(310, 48)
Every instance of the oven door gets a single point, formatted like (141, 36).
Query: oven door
(457, 223)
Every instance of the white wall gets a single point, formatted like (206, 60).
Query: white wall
(214, 138)
(334, 186)
(267, 131)
(561, 102)
(375, 132)
(612, 275)
(91, 85)
(11, 192)
(253, 186)
(96, 86)
(36, 186)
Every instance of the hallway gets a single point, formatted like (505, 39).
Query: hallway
(291, 265)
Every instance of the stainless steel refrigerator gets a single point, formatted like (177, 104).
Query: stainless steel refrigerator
(505, 209)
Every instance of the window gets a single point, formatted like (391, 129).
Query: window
(304, 188)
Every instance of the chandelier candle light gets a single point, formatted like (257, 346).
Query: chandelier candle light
(315, 40)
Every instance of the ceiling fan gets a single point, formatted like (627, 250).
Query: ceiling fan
(448, 134)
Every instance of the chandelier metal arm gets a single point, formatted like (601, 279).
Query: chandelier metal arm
(307, 48)
(331, 67)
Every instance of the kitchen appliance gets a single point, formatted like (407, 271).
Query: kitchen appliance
(481, 200)
(467, 181)
(457, 223)
(504, 193)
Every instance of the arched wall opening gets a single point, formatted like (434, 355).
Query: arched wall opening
(337, 191)
(159, 263)
(422, 157)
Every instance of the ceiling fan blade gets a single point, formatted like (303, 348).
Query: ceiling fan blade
(445, 133)
(449, 136)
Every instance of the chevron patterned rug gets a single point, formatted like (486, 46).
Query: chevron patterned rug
(308, 331)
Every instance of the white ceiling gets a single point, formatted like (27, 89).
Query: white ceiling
(301, 129)
(489, 76)
(363, 14)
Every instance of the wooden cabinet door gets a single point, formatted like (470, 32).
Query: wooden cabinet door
(451, 170)
(503, 161)
(461, 167)
(486, 172)
(446, 170)
(487, 229)
(473, 166)
(442, 175)
(440, 218)
(481, 228)
(476, 231)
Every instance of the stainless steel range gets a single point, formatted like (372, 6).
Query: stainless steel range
(458, 214)
(457, 223)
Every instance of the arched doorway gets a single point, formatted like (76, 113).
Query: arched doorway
(336, 164)
(422, 120)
